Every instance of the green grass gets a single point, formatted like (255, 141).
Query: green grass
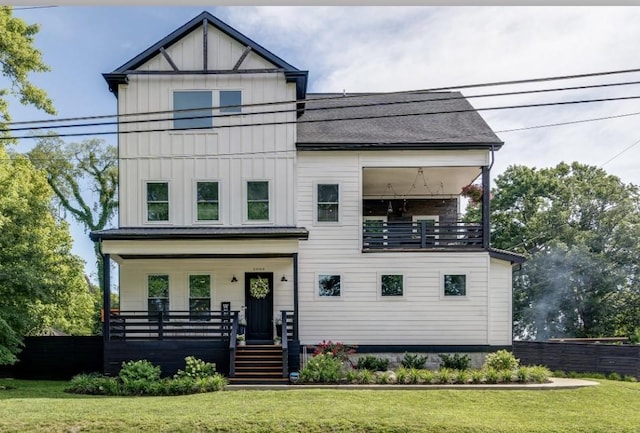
(43, 406)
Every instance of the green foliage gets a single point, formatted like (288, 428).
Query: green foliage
(634, 337)
(322, 368)
(492, 375)
(41, 282)
(579, 229)
(372, 363)
(445, 375)
(141, 370)
(501, 360)
(413, 360)
(19, 58)
(196, 369)
(337, 349)
(455, 361)
(365, 376)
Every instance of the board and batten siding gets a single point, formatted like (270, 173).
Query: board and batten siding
(423, 315)
(134, 276)
(500, 303)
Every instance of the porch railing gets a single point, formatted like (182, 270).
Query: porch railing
(401, 235)
(163, 325)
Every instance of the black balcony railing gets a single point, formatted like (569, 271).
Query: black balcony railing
(407, 235)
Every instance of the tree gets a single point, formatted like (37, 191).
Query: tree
(41, 281)
(580, 231)
(78, 173)
(18, 58)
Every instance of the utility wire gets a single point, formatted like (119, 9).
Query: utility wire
(358, 95)
(244, 114)
(343, 119)
(619, 153)
(32, 7)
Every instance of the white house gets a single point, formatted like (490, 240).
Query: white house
(344, 207)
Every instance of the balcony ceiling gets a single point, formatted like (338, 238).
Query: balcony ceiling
(440, 181)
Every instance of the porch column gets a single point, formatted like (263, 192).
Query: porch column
(486, 198)
(295, 296)
(106, 296)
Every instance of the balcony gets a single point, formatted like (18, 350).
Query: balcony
(420, 235)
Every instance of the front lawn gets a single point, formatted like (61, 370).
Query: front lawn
(43, 406)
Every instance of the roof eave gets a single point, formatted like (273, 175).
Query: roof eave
(399, 146)
(508, 256)
(300, 234)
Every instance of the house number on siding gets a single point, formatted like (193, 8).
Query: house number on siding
(258, 269)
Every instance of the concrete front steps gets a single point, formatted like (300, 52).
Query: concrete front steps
(258, 364)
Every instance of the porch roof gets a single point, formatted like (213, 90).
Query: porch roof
(508, 256)
(179, 233)
(385, 121)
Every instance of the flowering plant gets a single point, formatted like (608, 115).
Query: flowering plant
(259, 288)
(473, 192)
(337, 349)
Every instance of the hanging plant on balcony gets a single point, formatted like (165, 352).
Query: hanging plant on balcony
(259, 288)
(474, 193)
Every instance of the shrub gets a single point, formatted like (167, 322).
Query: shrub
(501, 360)
(372, 363)
(384, 377)
(477, 376)
(523, 375)
(351, 376)
(455, 361)
(463, 376)
(365, 376)
(402, 375)
(539, 374)
(445, 375)
(337, 349)
(322, 368)
(196, 369)
(415, 376)
(614, 376)
(413, 360)
(492, 375)
(506, 376)
(139, 370)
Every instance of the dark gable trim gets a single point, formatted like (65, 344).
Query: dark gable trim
(168, 234)
(300, 77)
(396, 146)
(419, 348)
(204, 256)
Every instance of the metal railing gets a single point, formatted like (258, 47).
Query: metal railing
(408, 235)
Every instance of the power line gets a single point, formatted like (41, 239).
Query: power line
(619, 153)
(359, 95)
(32, 7)
(344, 119)
(244, 114)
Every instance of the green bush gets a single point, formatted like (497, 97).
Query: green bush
(445, 375)
(455, 361)
(463, 376)
(413, 360)
(322, 368)
(196, 369)
(477, 376)
(492, 375)
(365, 376)
(501, 360)
(372, 363)
(614, 376)
(142, 370)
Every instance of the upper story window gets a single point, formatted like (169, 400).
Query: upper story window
(207, 201)
(157, 201)
(257, 200)
(200, 109)
(230, 101)
(328, 202)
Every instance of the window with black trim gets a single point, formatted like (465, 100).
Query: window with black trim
(157, 201)
(158, 295)
(207, 201)
(329, 285)
(257, 200)
(328, 202)
(392, 285)
(192, 109)
(455, 285)
(199, 297)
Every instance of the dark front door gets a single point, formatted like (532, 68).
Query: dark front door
(259, 310)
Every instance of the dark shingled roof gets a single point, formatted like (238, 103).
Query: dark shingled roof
(393, 121)
(175, 233)
(506, 255)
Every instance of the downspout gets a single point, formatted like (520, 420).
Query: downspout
(486, 201)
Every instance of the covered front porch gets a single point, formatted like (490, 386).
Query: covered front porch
(193, 288)
(420, 208)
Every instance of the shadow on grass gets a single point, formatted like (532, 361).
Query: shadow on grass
(18, 388)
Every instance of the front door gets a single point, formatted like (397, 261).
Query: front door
(259, 310)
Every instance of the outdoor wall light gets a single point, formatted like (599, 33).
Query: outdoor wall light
(283, 279)
(234, 279)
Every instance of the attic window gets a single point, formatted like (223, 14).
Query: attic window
(230, 101)
(200, 110)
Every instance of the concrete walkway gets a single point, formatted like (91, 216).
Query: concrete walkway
(556, 383)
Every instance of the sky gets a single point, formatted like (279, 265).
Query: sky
(387, 48)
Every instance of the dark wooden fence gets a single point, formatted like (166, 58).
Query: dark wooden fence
(56, 358)
(420, 235)
(580, 357)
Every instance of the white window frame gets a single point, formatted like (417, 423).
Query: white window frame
(316, 286)
(385, 229)
(245, 202)
(147, 297)
(188, 286)
(145, 202)
(194, 190)
(391, 298)
(315, 203)
(466, 288)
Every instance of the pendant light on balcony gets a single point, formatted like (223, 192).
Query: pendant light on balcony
(390, 208)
